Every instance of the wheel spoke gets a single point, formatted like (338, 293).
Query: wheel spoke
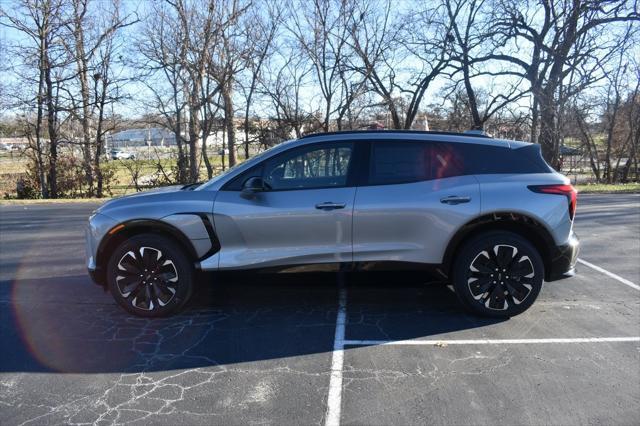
(129, 266)
(162, 293)
(126, 279)
(517, 290)
(521, 268)
(126, 290)
(148, 257)
(137, 295)
(480, 286)
(496, 298)
(146, 297)
(126, 284)
(505, 255)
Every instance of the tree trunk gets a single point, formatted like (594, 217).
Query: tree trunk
(44, 186)
(548, 128)
(471, 94)
(51, 125)
(535, 121)
(81, 61)
(205, 157)
(228, 121)
(193, 142)
(99, 140)
(395, 118)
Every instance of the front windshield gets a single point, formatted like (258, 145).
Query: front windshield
(251, 160)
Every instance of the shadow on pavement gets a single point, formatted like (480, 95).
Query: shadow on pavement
(68, 325)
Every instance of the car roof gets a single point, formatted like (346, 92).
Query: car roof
(355, 135)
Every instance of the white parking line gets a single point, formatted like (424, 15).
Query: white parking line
(334, 400)
(488, 341)
(610, 274)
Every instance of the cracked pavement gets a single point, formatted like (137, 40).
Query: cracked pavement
(257, 349)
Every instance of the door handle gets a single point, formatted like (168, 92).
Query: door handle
(454, 199)
(329, 206)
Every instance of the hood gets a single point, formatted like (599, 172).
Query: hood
(153, 196)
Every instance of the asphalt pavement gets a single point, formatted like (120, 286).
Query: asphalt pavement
(300, 349)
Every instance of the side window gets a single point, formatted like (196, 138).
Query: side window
(236, 183)
(316, 166)
(448, 160)
(398, 162)
(394, 162)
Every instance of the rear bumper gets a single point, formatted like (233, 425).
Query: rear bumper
(563, 260)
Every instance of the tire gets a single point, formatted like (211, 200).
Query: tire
(498, 274)
(166, 285)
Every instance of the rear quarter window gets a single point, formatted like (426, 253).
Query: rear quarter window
(489, 159)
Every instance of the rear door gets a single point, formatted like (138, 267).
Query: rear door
(415, 196)
(305, 217)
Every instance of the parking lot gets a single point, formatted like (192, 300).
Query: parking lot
(317, 349)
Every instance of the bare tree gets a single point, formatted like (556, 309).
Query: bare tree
(545, 41)
(229, 58)
(261, 36)
(42, 23)
(170, 56)
(283, 83)
(468, 41)
(321, 29)
(91, 47)
(631, 117)
(386, 44)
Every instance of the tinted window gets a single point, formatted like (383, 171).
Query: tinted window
(310, 167)
(494, 159)
(412, 161)
(236, 183)
(400, 162)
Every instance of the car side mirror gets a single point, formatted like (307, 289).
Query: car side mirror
(252, 186)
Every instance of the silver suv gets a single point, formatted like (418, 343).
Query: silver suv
(489, 216)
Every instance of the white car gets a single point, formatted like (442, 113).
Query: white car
(117, 154)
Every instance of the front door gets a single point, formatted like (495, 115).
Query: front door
(303, 217)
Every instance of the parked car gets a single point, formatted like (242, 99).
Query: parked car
(490, 216)
(118, 154)
(5, 147)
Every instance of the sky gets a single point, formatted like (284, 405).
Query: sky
(310, 94)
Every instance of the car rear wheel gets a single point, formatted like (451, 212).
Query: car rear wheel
(150, 276)
(498, 274)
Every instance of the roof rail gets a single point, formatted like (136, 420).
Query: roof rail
(476, 132)
(468, 133)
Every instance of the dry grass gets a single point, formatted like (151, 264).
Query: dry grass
(14, 202)
(602, 188)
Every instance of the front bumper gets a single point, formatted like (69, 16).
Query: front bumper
(98, 226)
(563, 260)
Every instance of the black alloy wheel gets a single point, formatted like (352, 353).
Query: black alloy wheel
(498, 274)
(150, 276)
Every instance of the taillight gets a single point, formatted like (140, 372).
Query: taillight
(567, 190)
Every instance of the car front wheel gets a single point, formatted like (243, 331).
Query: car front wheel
(498, 274)
(150, 276)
